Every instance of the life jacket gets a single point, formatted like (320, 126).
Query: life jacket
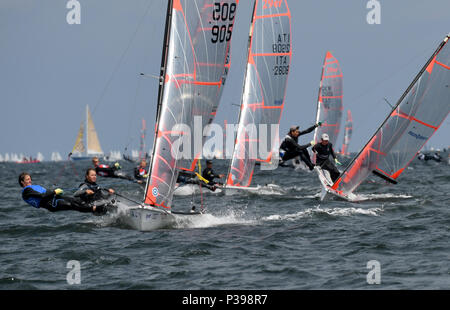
(34, 201)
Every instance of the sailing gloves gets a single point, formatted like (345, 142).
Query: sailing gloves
(58, 191)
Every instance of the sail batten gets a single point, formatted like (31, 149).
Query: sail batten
(417, 115)
(264, 91)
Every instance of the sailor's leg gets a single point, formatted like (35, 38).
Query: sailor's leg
(305, 157)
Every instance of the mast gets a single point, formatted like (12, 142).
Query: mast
(87, 129)
(162, 74)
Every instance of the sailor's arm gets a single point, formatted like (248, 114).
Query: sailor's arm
(304, 132)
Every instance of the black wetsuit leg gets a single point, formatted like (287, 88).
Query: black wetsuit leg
(289, 155)
(66, 204)
(327, 165)
(304, 155)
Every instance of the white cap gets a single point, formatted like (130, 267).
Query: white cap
(325, 137)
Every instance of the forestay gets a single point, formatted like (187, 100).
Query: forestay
(262, 102)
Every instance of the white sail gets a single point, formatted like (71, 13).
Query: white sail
(416, 116)
(269, 58)
(193, 70)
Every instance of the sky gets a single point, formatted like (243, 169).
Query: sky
(50, 70)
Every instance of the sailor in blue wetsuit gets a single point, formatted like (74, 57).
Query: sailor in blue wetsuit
(39, 197)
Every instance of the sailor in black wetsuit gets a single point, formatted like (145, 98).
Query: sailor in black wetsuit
(323, 151)
(210, 175)
(188, 177)
(111, 172)
(90, 193)
(292, 149)
(39, 197)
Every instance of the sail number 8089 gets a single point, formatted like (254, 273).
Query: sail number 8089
(223, 12)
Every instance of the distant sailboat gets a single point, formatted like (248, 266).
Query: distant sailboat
(417, 115)
(329, 103)
(194, 67)
(56, 156)
(264, 91)
(79, 151)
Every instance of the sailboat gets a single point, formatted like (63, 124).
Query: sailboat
(347, 134)
(194, 66)
(417, 115)
(79, 151)
(329, 103)
(268, 60)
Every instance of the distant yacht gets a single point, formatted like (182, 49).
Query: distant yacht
(56, 156)
(79, 151)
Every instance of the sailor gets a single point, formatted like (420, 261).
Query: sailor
(91, 193)
(52, 200)
(110, 172)
(291, 149)
(140, 172)
(209, 174)
(188, 177)
(323, 151)
(437, 157)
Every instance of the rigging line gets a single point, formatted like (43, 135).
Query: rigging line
(122, 57)
(133, 112)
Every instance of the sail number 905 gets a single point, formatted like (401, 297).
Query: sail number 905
(223, 12)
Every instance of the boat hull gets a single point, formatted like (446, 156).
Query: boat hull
(326, 187)
(149, 218)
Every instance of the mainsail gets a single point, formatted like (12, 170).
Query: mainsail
(347, 134)
(269, 58)
(329, 104)
(417, 115)
(93, 145)
(194, 67)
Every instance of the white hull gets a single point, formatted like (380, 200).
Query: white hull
(325, 180)
(191, 189)
(235, 189)
(148, 218)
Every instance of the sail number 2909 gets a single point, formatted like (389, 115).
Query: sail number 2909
(223, 12)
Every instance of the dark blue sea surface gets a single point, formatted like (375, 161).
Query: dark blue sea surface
(276, 239)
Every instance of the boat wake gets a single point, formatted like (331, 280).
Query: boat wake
(310, 212)
(213, 220)
(364, 197)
